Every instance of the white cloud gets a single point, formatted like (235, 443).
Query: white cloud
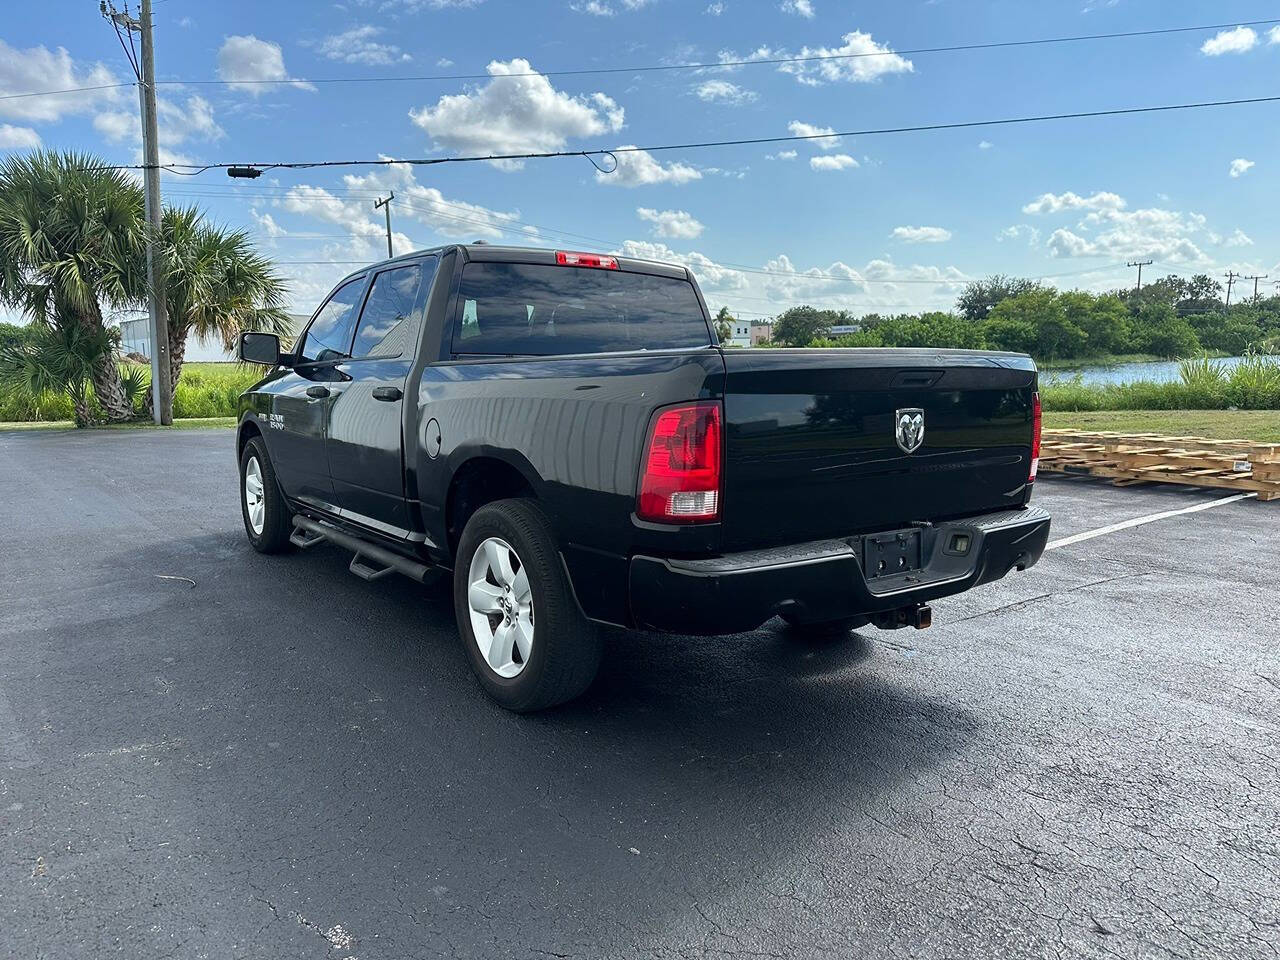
(603, 8)
(1239, 40)
(722, 91)
(832, 161)
(638, 168)
(862, 60)
(414, 5)
(516, 114)
(18, 138)
(1056, 203)
(444, 62)
(39, 68)
(359, 45)
(1152, 233)
(1273, 36)
(782, 155)
(671, 223)
(1237, 239)
(921, 234)
(715, 9)
(1240, 166)
(799, 128)
(267, 224)
(177, 123)
(710, 275)
(985, 144)
(447, 219)
(801, 8)
(247, 63)
(1018, 232)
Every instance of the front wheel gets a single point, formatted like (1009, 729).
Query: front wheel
(267, 519)
(524, 636)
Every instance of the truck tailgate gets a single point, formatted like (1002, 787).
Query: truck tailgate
(810, 449)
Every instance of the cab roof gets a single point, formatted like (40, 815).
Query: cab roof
(487, 252)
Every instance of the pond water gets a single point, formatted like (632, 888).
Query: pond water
(1097, 374)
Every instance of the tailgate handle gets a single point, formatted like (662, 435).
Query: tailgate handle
(916, 378)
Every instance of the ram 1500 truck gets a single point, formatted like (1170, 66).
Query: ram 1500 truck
(564, 432)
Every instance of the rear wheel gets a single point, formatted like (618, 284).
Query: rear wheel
(523, 634)
(267, 518)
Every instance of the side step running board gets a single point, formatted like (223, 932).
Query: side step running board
(363, 550)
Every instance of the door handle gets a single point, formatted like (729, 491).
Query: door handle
(318, 392)
(389, 394)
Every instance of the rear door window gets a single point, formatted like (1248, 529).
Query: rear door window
(521, 309)
(389, 322)
(329, 336)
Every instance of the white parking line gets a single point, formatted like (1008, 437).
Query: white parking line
(1139, 521)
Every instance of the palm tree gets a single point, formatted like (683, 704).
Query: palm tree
(215, 284)
(61, 360)
(72, 240)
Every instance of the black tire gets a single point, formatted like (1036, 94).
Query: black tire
(277, 521)
(821, 629)
(565, 649)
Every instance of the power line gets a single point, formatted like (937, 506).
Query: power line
(192, 169)
(709, 65)
(58, 93)
(672, 67)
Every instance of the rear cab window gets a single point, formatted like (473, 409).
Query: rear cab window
(524, 309)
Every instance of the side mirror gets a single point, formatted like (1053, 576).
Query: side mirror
(260, 348)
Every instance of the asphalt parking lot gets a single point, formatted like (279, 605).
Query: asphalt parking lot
(279, 760)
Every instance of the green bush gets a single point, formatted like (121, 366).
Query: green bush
(204, 390)
(1252, 385)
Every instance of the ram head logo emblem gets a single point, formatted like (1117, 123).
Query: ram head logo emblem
(908, 428)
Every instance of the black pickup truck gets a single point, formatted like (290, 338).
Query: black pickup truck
(564, 432)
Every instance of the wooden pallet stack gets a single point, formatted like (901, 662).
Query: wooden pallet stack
(1150, 458)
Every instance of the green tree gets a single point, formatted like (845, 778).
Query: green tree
(1104, 320)
(1233, 333)
(215, 284)
(1035, 322)
(724, 324)
(800, 326)
(979, 298)
(62, 360)
(1158, 329)
(71, 242)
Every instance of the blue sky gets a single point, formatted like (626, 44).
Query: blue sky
(901, 220)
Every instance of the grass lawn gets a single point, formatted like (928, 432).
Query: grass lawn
(1261, 426)
(201, 423)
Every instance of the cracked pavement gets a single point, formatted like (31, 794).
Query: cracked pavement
(285, 761)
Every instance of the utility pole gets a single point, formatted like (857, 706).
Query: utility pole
(145, 71)
(1255, 280)
(1140, 264)
(1231, 276)
(386, 206)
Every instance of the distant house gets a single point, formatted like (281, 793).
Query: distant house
(761, 333)
(135, 337)
(741, 336)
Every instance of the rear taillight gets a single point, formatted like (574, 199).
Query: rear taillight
(567, 259)
(680, 475)
(1036, 421)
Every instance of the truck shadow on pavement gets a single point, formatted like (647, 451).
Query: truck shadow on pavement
(327, 721)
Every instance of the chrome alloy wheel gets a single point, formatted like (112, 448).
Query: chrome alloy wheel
(255, 495)
(501, 603)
